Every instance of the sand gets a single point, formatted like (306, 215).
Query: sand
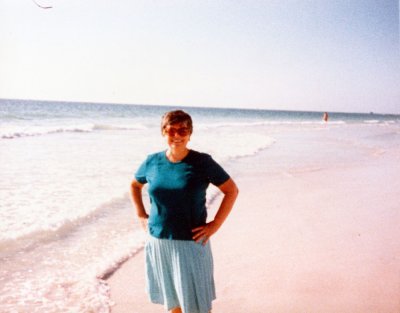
(314, 241)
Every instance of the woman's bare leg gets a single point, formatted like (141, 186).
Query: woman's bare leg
(178, 310)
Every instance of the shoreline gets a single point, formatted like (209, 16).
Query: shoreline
(317, 241)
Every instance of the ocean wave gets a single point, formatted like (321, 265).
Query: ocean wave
(372, 121)
(266, 123)
(267, 143)
(68, 283)
(235, 145)
(118, 127)
(15, 117)
(31, 237)
(292, 123)
(19, 132)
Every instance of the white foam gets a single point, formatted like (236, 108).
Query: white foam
(119, 127)
(40, 233)
(29, 131)
(250, 124)
(13, 131)
(231, 143)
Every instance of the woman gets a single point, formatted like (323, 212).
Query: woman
(179, 264)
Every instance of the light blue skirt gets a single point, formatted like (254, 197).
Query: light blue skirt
(179, 273)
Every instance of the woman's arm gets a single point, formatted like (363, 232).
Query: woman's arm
(230, 191)
(137, 200)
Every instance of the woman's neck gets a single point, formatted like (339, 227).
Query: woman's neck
(176, 155)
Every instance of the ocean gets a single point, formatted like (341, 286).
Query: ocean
(66, 220)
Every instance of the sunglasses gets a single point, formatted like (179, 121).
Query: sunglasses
(183, 131)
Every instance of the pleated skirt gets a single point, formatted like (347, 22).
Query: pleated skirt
(179, 273)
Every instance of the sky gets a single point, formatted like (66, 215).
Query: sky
(316, 55)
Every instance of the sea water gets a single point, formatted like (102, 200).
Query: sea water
(66, 220)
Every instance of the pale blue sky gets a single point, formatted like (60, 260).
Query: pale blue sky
(323, 55)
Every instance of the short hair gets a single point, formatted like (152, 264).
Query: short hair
(176, 117)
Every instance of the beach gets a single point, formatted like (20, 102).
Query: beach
(298, 101)
(314, 229)
(301, 238)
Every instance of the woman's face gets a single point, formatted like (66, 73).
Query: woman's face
(177, 135)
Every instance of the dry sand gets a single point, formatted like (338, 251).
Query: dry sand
(308, 242)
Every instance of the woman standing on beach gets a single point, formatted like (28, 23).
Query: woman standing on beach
(179, 264)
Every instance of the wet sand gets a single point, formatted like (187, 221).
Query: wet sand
(322, 240)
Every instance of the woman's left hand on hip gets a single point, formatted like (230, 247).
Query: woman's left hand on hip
(203, 233)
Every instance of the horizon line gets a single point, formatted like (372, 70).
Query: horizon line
(199, 107)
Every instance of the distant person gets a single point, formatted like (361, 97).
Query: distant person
(179, 263)
(325, 117)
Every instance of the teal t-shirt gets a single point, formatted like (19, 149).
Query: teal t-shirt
(178, 192)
